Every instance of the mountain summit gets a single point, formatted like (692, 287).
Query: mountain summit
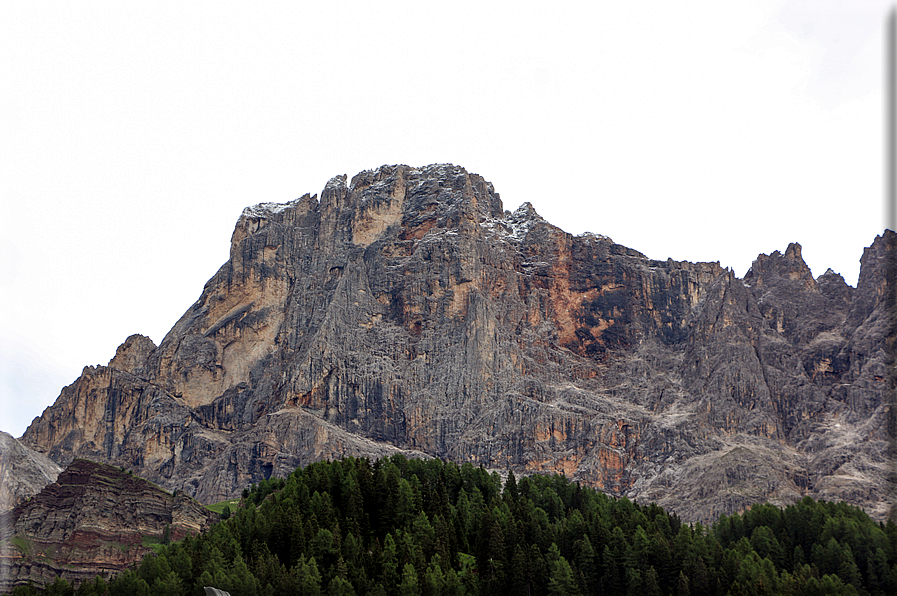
(406, 310)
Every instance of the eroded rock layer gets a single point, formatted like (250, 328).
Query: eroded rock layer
(406, 310)
(95, 519)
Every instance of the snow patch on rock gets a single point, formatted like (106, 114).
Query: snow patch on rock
(263, 210)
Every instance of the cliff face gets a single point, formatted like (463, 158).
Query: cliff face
(407, 311)
(23, 472)
(94, 519)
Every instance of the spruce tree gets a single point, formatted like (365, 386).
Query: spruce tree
(168, 585)
(410, 585)
(562, 581)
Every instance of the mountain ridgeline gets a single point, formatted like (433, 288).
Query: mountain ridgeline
(407, 312)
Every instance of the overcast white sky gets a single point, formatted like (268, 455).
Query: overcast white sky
(135, 134)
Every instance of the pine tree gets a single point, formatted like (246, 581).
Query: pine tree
(153, 567)
(877, 570)
(241, 579)
(95, 587)
(586, 564)
(468, 573)
(168, 585)
(562, 580)
(637, 554)
(411, 552)
(634, 582)
(389, 563)
(424, 534)
(434, 581)
(406, 506)
(59, 587)
(453, 585)
(26, 590)
(510, 492)
(325, 548)
(765, 544)
(699, 578)
(340, 586)
(682, 585)
(409, 585)
(651, 584)
(206, 578)
(307, 577)
(519, 571)
(611, 578)
(848, 570)
(351, 549)
(181, 564)
(270, 571)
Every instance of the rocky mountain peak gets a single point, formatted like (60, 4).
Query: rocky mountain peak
(833, 286)
(878, 269)
(407, 311)
(791, 266)
(132, 355)
(793, 252)
(526, 212)
(336, 182)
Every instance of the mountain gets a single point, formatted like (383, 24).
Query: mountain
(406, 311)
(94, 519)
(23, 472)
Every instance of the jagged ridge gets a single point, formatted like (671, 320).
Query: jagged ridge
(406, 310)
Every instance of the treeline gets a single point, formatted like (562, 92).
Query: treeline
(401, 527)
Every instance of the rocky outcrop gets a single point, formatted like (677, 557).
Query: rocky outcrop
(23, 472)
(95, 519)
(406, 310)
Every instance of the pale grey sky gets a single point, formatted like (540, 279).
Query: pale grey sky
(134, 135)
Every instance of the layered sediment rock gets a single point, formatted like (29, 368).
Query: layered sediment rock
(95, 519)
(406, 310)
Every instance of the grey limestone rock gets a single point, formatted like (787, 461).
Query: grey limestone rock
(406, 310)
(23, 472)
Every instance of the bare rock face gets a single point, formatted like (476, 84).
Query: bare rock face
(406, 310)
(94, 519)
(23, 472)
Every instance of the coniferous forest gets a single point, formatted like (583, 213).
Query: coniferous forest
(400, 527)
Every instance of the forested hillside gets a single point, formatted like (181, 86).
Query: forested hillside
(398, 526)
